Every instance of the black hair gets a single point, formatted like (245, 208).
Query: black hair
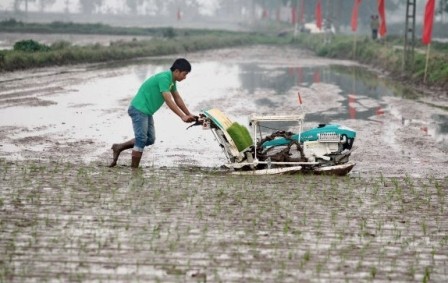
(181, 64)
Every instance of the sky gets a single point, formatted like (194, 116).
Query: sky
(209, 6)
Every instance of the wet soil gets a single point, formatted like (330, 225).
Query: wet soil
(75, 113)
(66, 217)
(77, 223)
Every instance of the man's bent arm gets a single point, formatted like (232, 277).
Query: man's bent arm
(172, 105)
(180, 102)
(175, 108)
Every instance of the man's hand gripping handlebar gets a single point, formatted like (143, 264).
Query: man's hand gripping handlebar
(199, 121)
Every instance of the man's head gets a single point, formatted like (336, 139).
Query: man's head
(180, 68)
(181, 64)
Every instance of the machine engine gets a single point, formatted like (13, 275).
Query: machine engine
(327, 144)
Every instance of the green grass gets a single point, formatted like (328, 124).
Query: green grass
(63, 53)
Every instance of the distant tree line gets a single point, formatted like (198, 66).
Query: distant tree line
(335, 11)
(41, 3)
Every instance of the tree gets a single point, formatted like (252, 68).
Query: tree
(160, 6)
(190, 8)
(18, 4)
(134, 5)
(89, 6)
(67, 6)
(443, 7)
(45, 3)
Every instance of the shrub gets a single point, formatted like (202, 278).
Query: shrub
(30, 46)
(18, 60)
(61, 44)
(11, 23)
(2, 58)
(169, 33)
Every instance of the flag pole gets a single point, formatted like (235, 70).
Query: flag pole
(355, 24)
(427, 61)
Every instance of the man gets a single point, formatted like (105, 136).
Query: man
(374, 26)
(158, 89)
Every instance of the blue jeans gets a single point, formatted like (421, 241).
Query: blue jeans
(144, 131)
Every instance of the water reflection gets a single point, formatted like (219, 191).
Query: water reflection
(94, 109)
(364, 95)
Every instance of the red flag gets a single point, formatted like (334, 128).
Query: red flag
(355, 15)
(427, 25)
(302, 12)
(299, 75)
(318, 15)
(179, 16)
(351, 106)
(316, 76)
(293, 15)
(265, 14)
(382, 12)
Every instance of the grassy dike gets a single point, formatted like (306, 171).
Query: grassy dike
(387, 56)
(29, 54)
(62, 53)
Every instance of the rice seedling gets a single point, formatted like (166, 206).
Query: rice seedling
(427, 275)
(373, 272)
(224, 222)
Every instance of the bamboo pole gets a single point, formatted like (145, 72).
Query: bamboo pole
(427, 61)
(296, 24)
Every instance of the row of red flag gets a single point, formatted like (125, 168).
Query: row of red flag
(427, 24)
(429, 20)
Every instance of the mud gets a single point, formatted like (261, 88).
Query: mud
(66, 217)
(75, 113)
(63, 222)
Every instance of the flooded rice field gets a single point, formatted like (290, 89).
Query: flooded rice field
(62, 222)
(65, 216)
(76, 113)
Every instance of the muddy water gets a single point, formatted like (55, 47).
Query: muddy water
(76, 113)
(65, 222)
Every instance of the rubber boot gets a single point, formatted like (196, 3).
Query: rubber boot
(136, 157)
(117, 148)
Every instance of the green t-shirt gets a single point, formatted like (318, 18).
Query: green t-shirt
(149, 97)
